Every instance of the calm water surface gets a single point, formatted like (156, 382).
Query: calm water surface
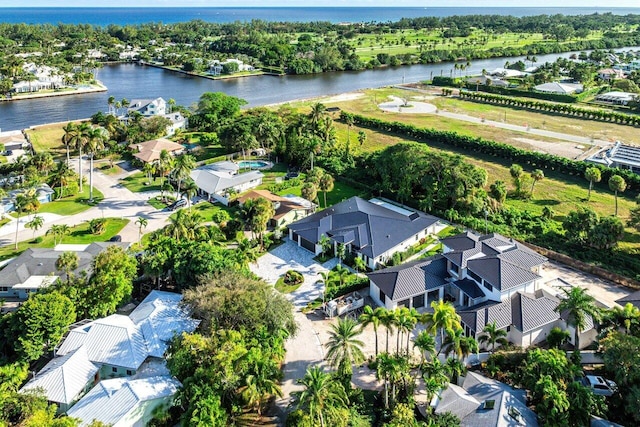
(133, 81)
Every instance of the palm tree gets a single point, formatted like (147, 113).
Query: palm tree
(341, 273)
(69, 137)
(58, 232)
(60, 176)
(344, 349)
(455, 368)
(141, 222)
(326, 184)
(325, 243)
(359, 264)
(443, 318)
(95, 143)
(536, 175)
(189, 191)
(388, 320)
(318, 111)
(385, 368)
(183, 225)
(362, 137)
(182, 167)
(309, 191)
(406, 321)
(148, 169)
(592, 175)
(617, 184)
(370, 316)
(426, 343)
(24, 202)
(163, 167)
(35, 224)
(492, 336)
(259, 383)
(321, 397)
(578, 304)
(67, 262)
(110, 102)
(622, 317)
(80, 142)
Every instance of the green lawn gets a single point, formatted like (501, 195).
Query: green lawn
(341, 191)
(79, 235)
(206, 210)
(48, 138)
(137, 183)
(74, 204)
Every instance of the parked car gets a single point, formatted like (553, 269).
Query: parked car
(116, 238)
(8, 153)
(178, 204)
(600, 386)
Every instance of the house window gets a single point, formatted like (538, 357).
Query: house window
(114, 369)
(4, 289)
(465, 300)
(383, 297)
(417, 237)
(404, 303)
(418, 301)
(474, 276)
(455, 268)
(488, 286)
(129, 372)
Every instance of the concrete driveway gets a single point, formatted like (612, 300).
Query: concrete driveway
(289, 256)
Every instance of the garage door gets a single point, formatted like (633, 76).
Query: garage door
(307, 245)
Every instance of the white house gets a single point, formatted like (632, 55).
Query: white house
(219, 181)
(124, 402)
(148, 107)
(560, 88)
(112, 347)
(373, 230)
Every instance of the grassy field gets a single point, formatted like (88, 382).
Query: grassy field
(206, 210)
(79, 235)
(74, 204)
(414, 41)
(49, 138)
(137, 183)
(560, 192)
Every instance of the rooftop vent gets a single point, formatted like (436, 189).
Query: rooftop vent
(489, 404)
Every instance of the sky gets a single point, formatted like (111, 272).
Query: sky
(323, 3)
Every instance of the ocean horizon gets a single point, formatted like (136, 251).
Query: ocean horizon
(104, 16)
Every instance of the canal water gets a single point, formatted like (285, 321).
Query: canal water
(143, 82)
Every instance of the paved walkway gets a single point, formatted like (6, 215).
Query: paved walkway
(118, 202)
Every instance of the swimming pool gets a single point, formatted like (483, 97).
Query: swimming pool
(253, 164)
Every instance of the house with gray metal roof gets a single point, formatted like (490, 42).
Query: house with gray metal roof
(112, 347)
(35, 268)
(415, 284)
(125, 402)
(373, 230)
(482, 401)
(219, 182)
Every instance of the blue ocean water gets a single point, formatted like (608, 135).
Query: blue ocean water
(122, 16)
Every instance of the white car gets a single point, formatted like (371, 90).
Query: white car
(599, 385)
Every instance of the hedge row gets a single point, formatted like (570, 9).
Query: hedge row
(496, 149)
(567, 110)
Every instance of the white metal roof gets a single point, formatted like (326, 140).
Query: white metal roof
(63, 378)
(36, 282)
(112, 400)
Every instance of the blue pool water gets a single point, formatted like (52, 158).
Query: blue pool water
(252, 164)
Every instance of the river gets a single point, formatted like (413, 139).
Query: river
(143, 82)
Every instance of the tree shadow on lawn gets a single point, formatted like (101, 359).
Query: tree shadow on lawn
(545, 202)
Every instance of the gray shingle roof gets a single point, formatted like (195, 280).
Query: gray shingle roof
(375, 229)
(479, 315)
(412, 278)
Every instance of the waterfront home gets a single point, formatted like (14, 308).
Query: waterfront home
(287, 208)
(116, 346)
(178, 121)
(148, 107)
(216, 67)
(609, 74)
(372, 230)
(220, 181)
(149, 151)
(35, 268)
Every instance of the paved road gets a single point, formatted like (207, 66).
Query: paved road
(118, 202)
